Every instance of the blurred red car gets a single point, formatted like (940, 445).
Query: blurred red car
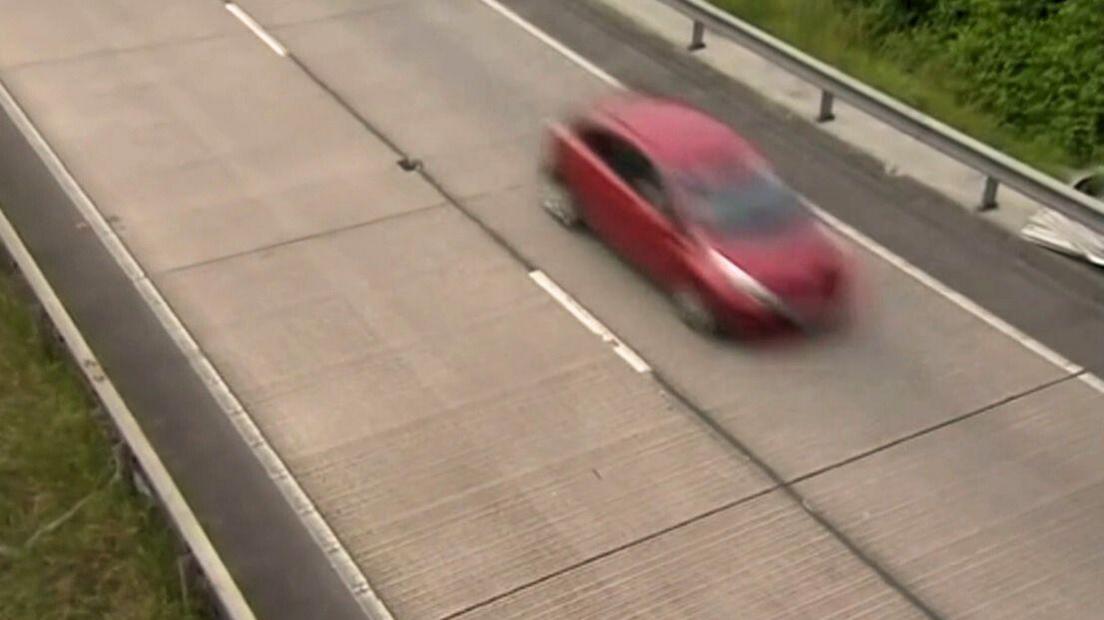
(697, 209)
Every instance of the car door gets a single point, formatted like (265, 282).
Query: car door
(584, 170)
(628, 204)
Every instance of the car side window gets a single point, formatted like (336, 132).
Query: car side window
(631, 165)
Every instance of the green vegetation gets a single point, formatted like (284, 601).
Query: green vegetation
(1026, 76)
(74, 542)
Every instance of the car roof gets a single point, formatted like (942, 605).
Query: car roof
(678, 136)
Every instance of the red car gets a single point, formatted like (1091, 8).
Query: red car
(697, 209)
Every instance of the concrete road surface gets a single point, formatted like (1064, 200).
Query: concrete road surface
(477, 450)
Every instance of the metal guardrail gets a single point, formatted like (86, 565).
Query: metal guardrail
(998, 168)
(137, 466)
(201, 570)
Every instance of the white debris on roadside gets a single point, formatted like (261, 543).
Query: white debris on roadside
(1061, 234)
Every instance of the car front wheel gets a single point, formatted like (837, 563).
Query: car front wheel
(693, 311)
(560, 203)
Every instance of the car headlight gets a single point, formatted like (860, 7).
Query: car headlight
(748, 284)
(742, 279)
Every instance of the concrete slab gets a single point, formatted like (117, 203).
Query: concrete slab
(912, 359)
(914, 353)
(463, 433)
(279, 12)
(391, 280)
(762, 559)
(506, 165)
(49, 30)
(255, 531)
(182, 152)
(386, 408)
(995, 517)
(481, 80)
(465, 436)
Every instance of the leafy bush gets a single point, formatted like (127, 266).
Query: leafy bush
(1036, 66)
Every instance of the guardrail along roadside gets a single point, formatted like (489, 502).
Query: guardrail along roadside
(997, 167)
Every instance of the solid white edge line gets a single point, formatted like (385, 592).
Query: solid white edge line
(278, 472)
(545, 38)
(252, 24)
(1093, 381)
(164, 487)
(943, 290)
(177, 507)
(856, 237)
(587, 319)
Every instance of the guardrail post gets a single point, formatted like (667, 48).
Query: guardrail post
(826, 100)
(125, 464)
(989, 195)
(697, 39)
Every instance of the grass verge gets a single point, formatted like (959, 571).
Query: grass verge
(824, 30)
(75, 542)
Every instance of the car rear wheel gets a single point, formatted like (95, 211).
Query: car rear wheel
(694, 312)
(560, 203)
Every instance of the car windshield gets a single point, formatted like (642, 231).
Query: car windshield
(755, 203)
